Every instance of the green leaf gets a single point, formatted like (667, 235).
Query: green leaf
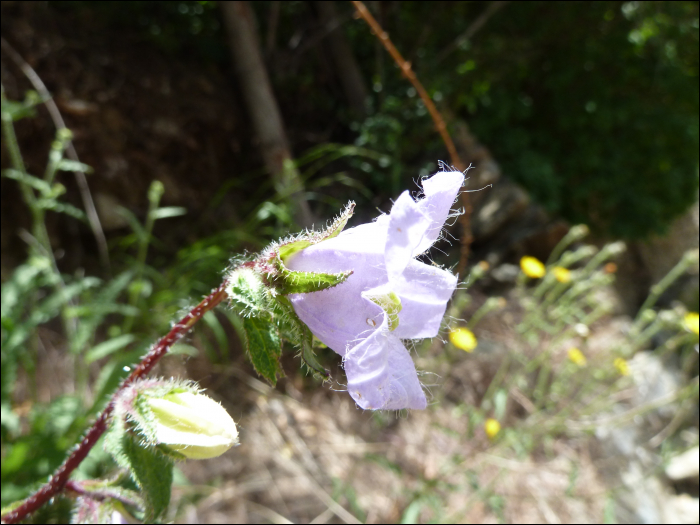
(246, 291)
(169, 211)
(30, 180)
(264, 347)
(108, 347)
(19, 110)
(72, 165)
(61, 207)
(153, 472)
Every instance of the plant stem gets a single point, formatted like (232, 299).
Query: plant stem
(440, 125)
(59, 479)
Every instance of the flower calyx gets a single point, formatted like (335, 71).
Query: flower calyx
(285, 281)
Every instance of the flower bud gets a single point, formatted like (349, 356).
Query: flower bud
(193, 425)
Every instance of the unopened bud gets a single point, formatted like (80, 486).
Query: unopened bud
(193, 425)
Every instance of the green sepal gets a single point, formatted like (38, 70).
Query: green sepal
(264, 347)
(288, 249)
(302, 337)
(338, 224)
(309, 356)
(287, 281)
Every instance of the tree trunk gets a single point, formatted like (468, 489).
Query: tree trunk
(346, 66)
(262, 107)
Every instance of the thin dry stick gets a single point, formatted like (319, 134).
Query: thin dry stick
(59, 479)
(440, 125)
(471, 30)
(80, 178)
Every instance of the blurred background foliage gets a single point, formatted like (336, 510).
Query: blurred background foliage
(591, 106)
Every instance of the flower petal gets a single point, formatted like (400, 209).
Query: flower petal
(440, 193)
(407, 226)
(424, 291)
(381, 373)
(339, 316)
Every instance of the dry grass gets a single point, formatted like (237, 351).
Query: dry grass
(313, 456)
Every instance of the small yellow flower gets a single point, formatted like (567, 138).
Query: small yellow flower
(483, 265)
(561, 274)
(692, 322)
(464, 339)
(622, 366)
(492, 428)
(577, 357)
(532, 267)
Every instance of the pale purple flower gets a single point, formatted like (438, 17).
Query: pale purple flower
(389, 297)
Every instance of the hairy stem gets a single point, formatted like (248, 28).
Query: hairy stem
(440, 125)
(59, 479)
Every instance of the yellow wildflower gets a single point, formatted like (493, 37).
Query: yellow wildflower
(692, 322)
(483, 265)
(532, 267)
(492, 428)
(561, 274)
(577, 357)
(463, 338)
(622, 366)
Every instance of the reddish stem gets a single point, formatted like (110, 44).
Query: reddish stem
(440, 125)
(59, 479)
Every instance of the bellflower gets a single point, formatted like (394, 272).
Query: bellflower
(389, 296)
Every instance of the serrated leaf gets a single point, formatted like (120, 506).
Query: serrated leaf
(153, 472)
(264, 347)
(246, 291)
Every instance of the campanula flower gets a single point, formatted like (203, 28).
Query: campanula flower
(389, 296)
